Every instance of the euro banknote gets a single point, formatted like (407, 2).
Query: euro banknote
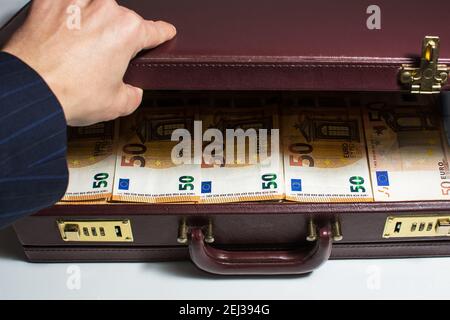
(145, 170)
(91, 161)
(325, 155)
(245, 163)
(406, 155)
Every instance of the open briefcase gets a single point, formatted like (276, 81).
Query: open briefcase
(312, 49)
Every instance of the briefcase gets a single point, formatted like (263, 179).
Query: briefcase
(323, 51)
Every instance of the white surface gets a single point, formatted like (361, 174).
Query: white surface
(360, 279)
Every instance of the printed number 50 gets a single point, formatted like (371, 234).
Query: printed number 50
(357, 184)
(186, 183)
(100, 181)
(269, 181)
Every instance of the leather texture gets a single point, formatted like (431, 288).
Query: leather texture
(270, 262)
(283, 45)
(261, 45)
(287, 44)
(234, 224)
(269, 230)
(149, 254)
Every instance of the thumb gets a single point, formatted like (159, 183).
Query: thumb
(129, 98)
(155, 33)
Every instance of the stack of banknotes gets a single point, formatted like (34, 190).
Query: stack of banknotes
(301, 153)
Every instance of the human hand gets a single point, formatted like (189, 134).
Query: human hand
(85, 66)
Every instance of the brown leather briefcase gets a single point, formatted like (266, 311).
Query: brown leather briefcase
(243, 48)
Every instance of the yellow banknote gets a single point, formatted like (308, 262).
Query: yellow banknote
(91, 161)
(145, 170)
(325, 156)
(253, 171)
(405, 152)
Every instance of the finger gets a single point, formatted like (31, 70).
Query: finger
(155, 33)
(130, 99)
(83, 3)
(49, 6)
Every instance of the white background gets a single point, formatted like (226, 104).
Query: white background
(360, 279)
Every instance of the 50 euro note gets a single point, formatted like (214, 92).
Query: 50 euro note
(406, 156)
(254, 172)
(145, 170)
(325, 156)
(91, 160)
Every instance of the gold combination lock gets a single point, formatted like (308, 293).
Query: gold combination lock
(96, 231)
(417, 226)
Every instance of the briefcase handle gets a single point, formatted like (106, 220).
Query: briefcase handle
(296, 261)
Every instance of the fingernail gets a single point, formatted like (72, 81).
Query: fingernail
(172, 27)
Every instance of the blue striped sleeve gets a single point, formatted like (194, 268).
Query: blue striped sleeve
(33, 142)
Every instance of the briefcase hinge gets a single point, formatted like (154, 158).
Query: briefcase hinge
(431, 76)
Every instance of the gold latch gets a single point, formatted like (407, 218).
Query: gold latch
(430, 76)
(443, 227)
(71, 232)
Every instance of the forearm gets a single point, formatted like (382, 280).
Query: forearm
(33, 167)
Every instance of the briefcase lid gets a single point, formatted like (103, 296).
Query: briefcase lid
(294, 45)
(290, 44)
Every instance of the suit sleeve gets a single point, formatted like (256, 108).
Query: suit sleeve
(33, 142)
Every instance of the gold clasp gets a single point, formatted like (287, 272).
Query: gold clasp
(335, 230)
(430, 76)
(183, 230)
